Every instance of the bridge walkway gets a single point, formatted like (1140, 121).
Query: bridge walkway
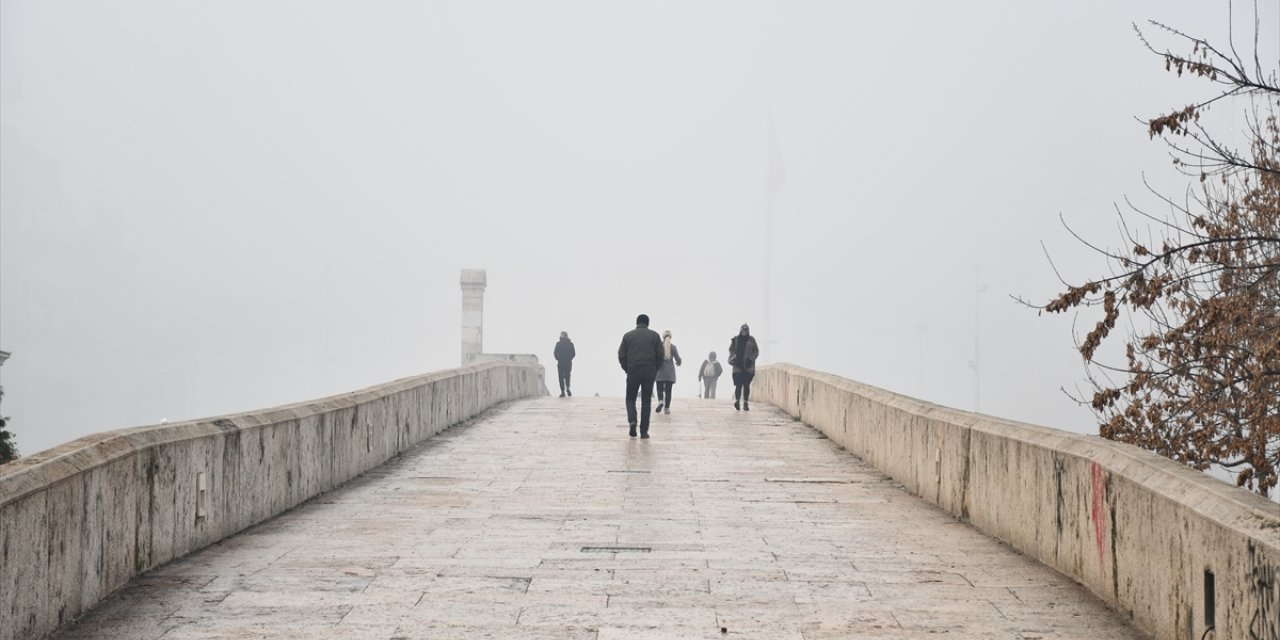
(542, 519)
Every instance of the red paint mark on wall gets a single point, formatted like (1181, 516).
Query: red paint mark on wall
(1098, 509)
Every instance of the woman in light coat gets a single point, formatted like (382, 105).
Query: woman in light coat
(709, 375)
(666, 373)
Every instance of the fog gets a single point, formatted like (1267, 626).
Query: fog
(217, 207)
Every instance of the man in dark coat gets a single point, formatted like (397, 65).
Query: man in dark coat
(564, 362)
(640, 354)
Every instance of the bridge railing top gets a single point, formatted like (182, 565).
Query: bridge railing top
(1207, 495)
(31, 473)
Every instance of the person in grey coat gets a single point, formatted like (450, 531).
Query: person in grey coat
(667, 373)
(640, 354)
(709, 375)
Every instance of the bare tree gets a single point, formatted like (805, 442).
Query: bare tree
(1195, 291)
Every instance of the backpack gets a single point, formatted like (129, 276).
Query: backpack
(709, 369)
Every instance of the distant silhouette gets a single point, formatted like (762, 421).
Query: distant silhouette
(666, 377)
(742, 357)
(639, 354)
(709, 375)
(564, 362)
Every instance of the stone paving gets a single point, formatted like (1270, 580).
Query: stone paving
(543, 520)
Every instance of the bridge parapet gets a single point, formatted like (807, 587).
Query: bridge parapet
(1176, 550)
(78, 521)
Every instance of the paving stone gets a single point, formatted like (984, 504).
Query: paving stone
(493, 632)
(651, 617)
(695, 633)
(542, 520)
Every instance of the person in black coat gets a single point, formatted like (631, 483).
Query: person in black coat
(640, 354)
(743, 352)
(564, 362)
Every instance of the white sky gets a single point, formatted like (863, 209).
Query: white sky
(215, 207)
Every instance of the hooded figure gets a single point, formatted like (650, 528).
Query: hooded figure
(667, 372)
(564, 361)
(709, 375)
(742, 356)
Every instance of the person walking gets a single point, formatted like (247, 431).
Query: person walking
(564, 362)
(640, 354)
(666, 377)
(709, 375)
(743, 352)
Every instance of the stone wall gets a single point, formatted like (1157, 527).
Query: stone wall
(78, 521)
(1153, 539)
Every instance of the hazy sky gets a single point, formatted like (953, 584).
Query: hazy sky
(209, 207)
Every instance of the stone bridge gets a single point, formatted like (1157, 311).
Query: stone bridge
(468, 504)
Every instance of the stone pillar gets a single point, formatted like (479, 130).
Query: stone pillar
(473, 282)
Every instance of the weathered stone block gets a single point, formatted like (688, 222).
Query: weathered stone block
(24, 567)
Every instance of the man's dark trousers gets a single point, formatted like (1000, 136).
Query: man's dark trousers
(640, 382)
(564, 368)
